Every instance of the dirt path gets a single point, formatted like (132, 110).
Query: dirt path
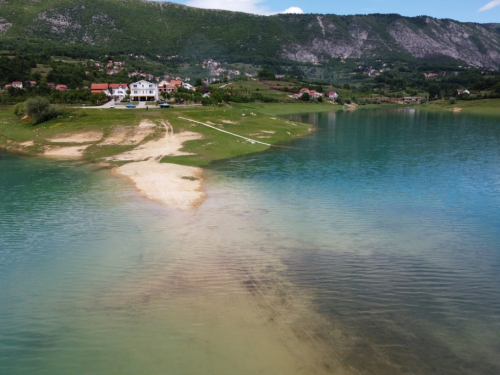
(168, 145)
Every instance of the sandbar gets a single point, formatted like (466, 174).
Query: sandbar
(66, 152)
(176, 186)
(83, 137)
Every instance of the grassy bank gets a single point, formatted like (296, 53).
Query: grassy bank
(256, 121)
(252, 121)
(483, 107)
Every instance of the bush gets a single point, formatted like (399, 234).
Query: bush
(39, 109)
(453, 101)
(19, 109)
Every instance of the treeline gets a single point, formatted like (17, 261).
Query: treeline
(77, 97)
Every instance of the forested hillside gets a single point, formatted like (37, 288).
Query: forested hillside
(82, 28)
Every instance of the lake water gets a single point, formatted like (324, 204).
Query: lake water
(371, 246)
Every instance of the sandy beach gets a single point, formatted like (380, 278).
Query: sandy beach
(176, 186)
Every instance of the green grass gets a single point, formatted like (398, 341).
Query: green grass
(42, 69)
(256, 121)
(214, 145)
(484, 107)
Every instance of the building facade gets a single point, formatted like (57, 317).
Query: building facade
(143, 91)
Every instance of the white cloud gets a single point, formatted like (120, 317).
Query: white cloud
(247, 6)
(296, 10)
(490, 5)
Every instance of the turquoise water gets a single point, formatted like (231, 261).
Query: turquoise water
(371, 246)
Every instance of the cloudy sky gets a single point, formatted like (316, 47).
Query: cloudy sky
(461, 10)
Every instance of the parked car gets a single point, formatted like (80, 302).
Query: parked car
(130, 105)
(163, 105)
(111, 106)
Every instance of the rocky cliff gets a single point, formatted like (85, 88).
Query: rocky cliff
(135, 26)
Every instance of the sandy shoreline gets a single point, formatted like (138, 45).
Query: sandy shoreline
(176, 186)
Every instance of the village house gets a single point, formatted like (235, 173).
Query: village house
(333, 95)
(143, 91)
(463, 91)
(165, 86)
(17, 84)
(61, 88)
(97, 88)
(314, 94)
(117, 91)
(51, 85)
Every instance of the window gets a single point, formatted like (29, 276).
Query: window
(135, 86)
(151, 92)
(135, 92)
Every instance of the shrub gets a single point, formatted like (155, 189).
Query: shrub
(453, 101)
(39, 109)
(19, 109)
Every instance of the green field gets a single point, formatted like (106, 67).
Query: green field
(251, 121)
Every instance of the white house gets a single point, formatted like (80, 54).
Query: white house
(333, 95)
(187, 86)
(143, 91)
(118, 91)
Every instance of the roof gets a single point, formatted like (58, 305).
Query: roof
(17, 83)
(99, 86)
(117, 85)
(176, 83)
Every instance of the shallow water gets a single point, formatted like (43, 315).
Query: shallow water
(371, 246)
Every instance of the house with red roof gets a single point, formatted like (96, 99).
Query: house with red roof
(118, 91)
(97, 88)
(61, 88)
(333, 95)
(165, 86)
(17, 84)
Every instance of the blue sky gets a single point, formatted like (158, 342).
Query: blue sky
(481, 11)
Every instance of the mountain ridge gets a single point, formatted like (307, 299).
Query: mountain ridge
(165, 28)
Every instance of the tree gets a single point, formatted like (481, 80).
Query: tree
(305, 97)
(266, 74)
(39, 109)
(434, 92)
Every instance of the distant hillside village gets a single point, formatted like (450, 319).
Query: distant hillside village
(128, 80)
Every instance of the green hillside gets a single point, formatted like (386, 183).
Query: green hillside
(83, 28)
